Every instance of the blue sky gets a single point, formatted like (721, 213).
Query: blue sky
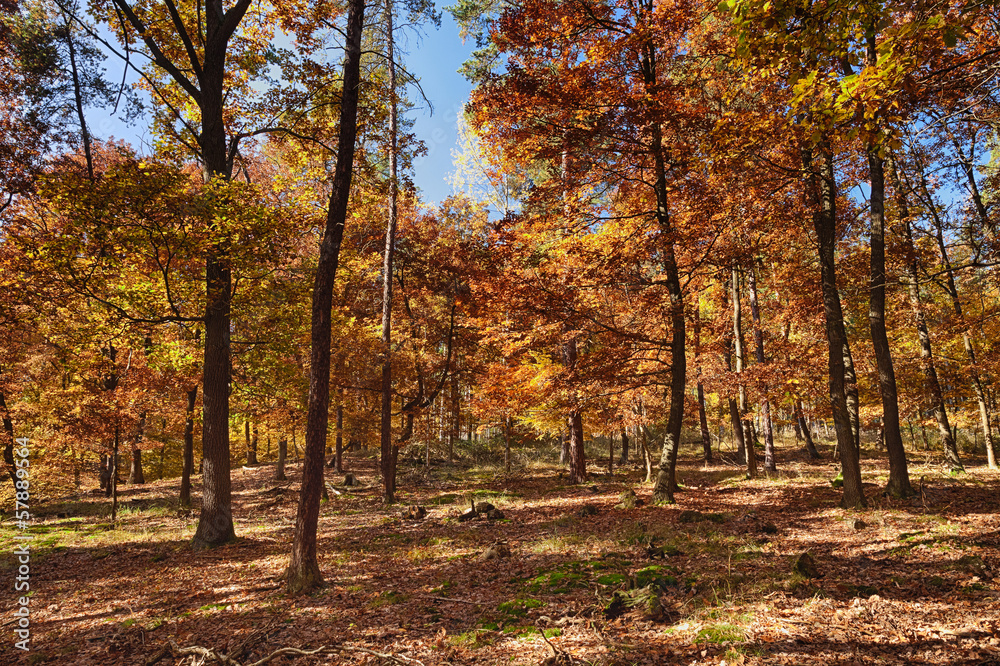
(435, 59)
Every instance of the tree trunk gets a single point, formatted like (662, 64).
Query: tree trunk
(563, 449)
(706, 438)
(575, 448)
(8, 445)
(338, 449)
(577, 457)
(279, 471)
(803, 427)
(666, 479)
(388, 469)
(188, 469)
(824, 199)
(303, 573)
(899, 478)
(113, 481)
(455, 419)
(624, 459)
(749, 437)
(765, 404)
(135, 475)
(936, 394)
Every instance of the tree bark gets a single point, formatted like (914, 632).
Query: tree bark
(574, 424)
(279, 471)
(765, 404)
(303, 572)
(624, 458)
(749, 437)
(899, 478)
(8, 445)
(706, 437)
(338, 449)
(188, 469)
(936, 394)
(803, 427)
(823, 191)
(389, 469)
(666, 479)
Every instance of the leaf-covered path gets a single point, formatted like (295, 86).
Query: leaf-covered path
(707, 581)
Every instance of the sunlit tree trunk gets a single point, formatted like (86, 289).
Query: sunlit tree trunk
(899, 478)
(765, 404)
(749, 438)
(706, 438)
(823, 191)
(387, 463)
(303, 574)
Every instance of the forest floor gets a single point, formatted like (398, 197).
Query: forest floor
(911, 581)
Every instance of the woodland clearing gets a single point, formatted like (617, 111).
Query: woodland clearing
(903, 582)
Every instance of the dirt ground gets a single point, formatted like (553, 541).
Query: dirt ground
(709, 580)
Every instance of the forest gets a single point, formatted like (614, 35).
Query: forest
(699, 363)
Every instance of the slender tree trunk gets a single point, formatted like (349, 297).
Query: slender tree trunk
(303, 572)
(338, 449)
(803, 427)
(563, 449)
(899, 478)
(765, 404)
(78, 96)
(8, 444)
(666, 479)
(749, 437)
(936, 394)
(824, 196)
(574, 422)
(114, 472)
(251, 443)
(279, 471)
(188, 468)
(453, 433)
(388, 470)
(624, 458)
(706, 438)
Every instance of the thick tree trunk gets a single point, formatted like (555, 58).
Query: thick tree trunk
(824, 194)
(135, 475)
(303, 572)
(899, 478)
(188, 469)
(765, 404)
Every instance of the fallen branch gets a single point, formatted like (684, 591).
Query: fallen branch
(459, 601)
(206, 654)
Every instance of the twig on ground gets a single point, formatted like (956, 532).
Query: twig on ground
(459, 601)
(211, 654)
